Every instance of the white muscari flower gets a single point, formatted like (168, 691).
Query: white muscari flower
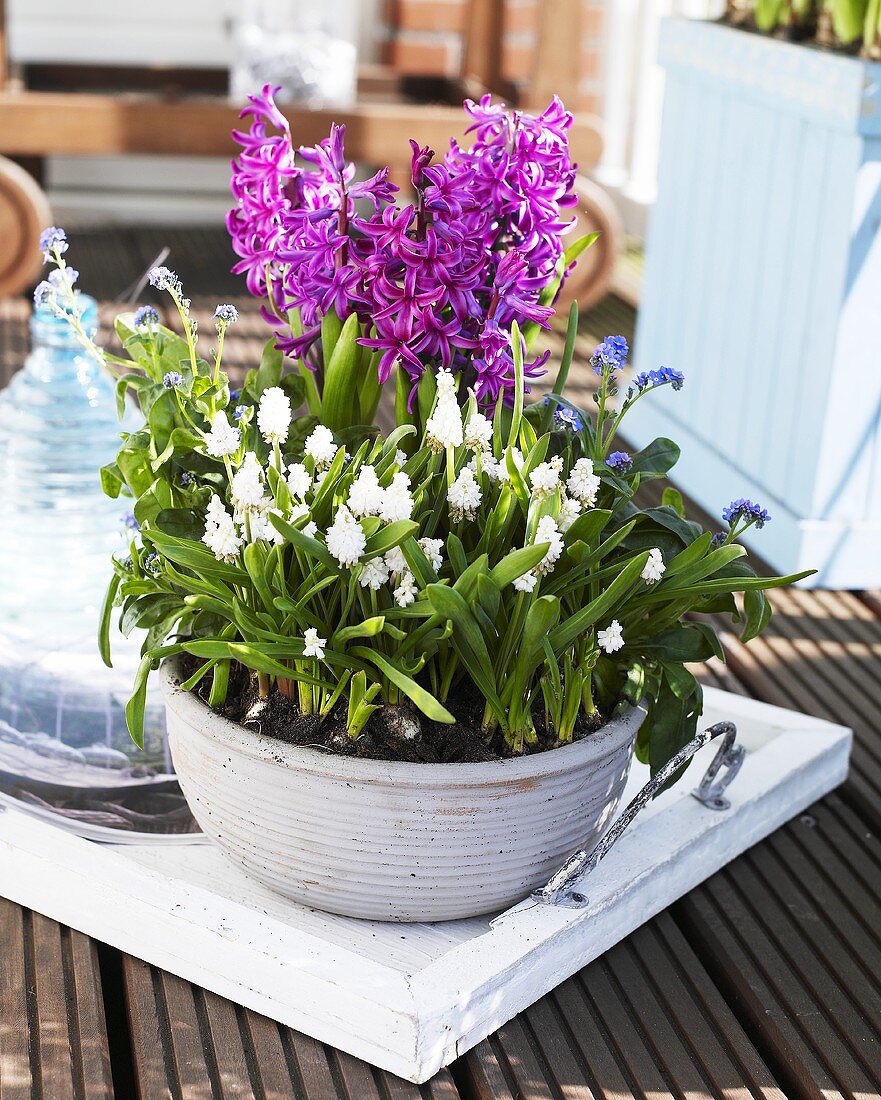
(374, 574)
(433, 550)
(517, 459)
(463, 496)
(299, 480)
(488, 464)
(654, 567)
(215, 509)
(395, 560)
(396, 502)
(223, 439)
(405, 593)
(570, 510)
(547, 531)
(478, 432)
(366, 494)
(444, 426)
(583, 483)
(297, 512)
(526, 583)
(262, 528)
(221, 535)
(247, 486)
(320, 446)
(546, 477)
(612, 638)
(345, 537)
(314, 646)
(274, 415)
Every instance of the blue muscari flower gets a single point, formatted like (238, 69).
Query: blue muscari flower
(746, 510)
(226, 315)
(52, 239)
(610, 355)
(565, 417)
(172, 380)
(44, 292)
(146, 315)
(661, 377)
(619, 461)
(130, 522)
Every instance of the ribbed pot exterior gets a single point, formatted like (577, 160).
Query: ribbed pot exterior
(388, 840)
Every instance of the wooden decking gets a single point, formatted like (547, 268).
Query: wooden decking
(763, 982)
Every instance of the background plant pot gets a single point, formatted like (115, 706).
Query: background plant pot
(390, 840)
(762, 283)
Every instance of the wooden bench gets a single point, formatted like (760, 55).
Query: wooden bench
(35, 124)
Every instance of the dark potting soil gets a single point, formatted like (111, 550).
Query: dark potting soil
(392, 732)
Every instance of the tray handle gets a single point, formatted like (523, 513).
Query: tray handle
(563, 888)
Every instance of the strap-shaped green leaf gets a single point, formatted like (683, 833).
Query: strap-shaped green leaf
(341, 381)
(573, 627)
(423, 699)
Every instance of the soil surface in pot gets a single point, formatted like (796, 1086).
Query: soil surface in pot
(392, 733)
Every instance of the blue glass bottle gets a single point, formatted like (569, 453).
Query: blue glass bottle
(58, 427)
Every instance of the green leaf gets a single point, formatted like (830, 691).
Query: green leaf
(517, 563)
(756, 612)
(426, 702)
(341, 377)
(367, 629)
(672, 498)
(588, 525)
(686, 642)
(105, 619)
(111, 480)
(577, 247)
(306, 543)
(134, 708)
(573, 627)
(656, 459)
(181, 522)
(388, 537)
(196, 557)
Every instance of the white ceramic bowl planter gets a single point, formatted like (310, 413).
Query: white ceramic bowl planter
(393, 840)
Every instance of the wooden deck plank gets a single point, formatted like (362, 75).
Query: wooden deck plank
(643, 1020)
(189, 1044)
(821, 654)
(53, 1036)
(790, 931)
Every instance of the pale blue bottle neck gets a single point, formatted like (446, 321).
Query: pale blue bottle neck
(49, 330)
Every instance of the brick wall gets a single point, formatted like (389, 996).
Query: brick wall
(424, 38)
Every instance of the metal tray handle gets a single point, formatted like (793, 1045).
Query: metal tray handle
(563, 888)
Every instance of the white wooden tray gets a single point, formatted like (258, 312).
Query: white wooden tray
(411, 998)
